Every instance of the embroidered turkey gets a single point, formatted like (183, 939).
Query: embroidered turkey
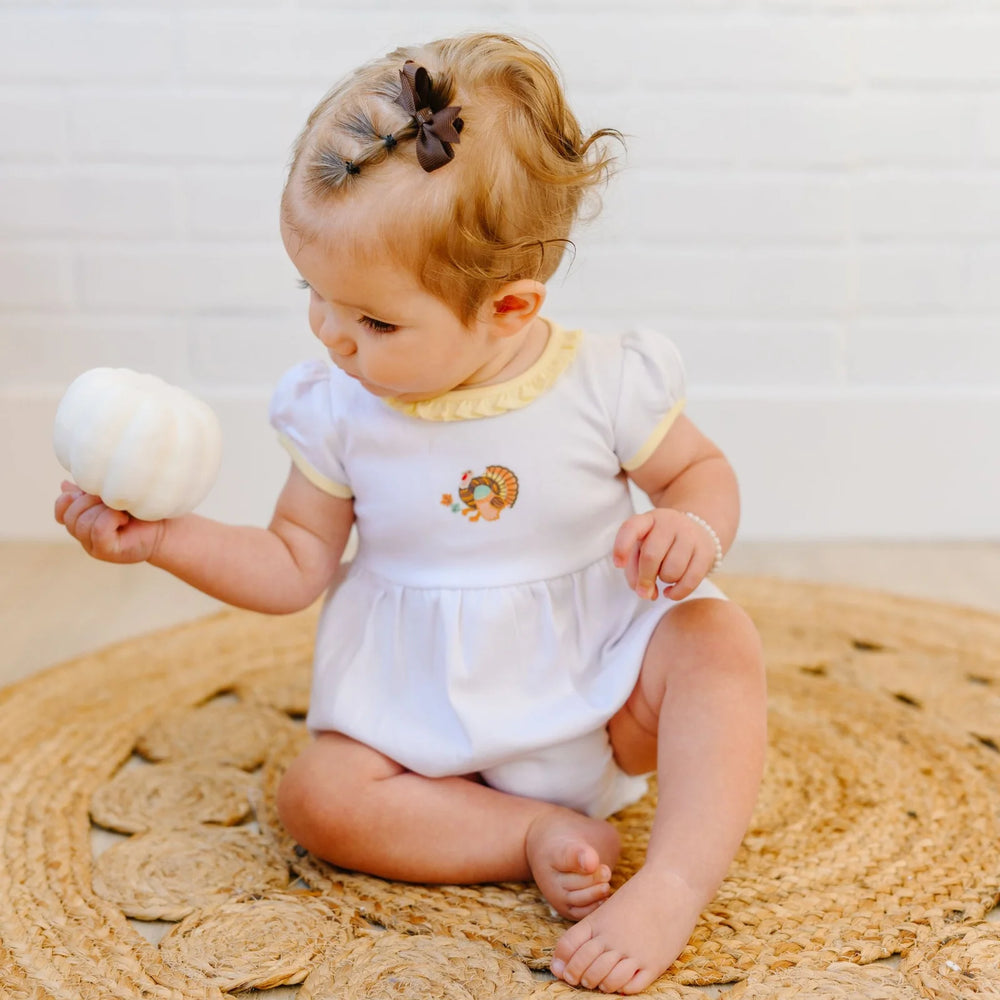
(487, 494)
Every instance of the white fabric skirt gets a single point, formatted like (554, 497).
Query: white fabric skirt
(450, 681)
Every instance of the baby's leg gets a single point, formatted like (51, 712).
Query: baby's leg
(697, 714)
(355, 807)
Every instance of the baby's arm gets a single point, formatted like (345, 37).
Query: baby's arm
(686, 473)
(277, 569)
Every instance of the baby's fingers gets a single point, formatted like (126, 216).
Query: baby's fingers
(106, 535)
(631, 567)
(696, 571)
(73, 504)
(70, 492)
(93, 525)
(676, 561)
(664, 555)
(632, 531)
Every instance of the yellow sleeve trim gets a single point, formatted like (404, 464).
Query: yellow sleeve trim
(327, 485)
(654, 439)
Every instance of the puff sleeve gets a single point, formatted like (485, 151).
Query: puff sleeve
(651, 395)
(304, 412)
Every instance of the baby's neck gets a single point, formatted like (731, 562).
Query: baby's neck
(519, 353)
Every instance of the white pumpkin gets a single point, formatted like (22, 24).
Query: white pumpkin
(138, 443)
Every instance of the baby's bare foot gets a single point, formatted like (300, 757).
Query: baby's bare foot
(571, 857)
(633, 938)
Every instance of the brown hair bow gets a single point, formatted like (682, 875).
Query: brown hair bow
(437, 127)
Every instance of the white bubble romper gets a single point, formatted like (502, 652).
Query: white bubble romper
(482, 627)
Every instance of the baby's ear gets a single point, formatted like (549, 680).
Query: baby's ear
(514, 306)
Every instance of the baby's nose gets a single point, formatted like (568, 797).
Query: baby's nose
(341, 345)
(337, 340)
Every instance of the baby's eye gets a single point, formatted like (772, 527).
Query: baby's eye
(302, 283)
(377, 326)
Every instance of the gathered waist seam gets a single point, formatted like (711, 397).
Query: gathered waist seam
(361, 566)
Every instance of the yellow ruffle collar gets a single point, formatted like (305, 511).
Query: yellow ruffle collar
(492, 400)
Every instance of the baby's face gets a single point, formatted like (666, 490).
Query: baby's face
(383, 328)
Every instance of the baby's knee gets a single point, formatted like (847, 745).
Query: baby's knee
(296, 797)
(325, 795)
(713, 632)
(306, 791)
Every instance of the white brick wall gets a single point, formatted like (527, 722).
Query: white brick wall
(810, 207)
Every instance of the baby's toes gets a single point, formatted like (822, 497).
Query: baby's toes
(579, 912)
(576, 881)
(574, 859)
(566, 947)
(599, 969)
(622, 978)
(589, 894)
(580, 962)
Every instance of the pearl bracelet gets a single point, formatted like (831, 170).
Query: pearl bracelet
(715, 539)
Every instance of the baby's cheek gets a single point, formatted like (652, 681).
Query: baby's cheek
(390, 368)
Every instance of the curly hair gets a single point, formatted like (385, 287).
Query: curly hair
(501, 210)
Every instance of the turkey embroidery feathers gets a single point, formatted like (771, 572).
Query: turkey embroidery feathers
(485, 495)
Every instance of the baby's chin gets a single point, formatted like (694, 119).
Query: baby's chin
(402, 395)
(376, 390)
(414, 396)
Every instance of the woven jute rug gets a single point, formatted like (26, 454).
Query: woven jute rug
(877, 831)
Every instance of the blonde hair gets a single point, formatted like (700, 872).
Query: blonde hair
(501, 210)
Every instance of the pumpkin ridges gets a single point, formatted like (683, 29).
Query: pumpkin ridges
(139, 443)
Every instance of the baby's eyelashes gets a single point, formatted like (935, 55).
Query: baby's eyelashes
(377, 326)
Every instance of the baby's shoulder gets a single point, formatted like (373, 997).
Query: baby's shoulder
(304, 376)
(610, 361)
(601, 348)
(311, 390)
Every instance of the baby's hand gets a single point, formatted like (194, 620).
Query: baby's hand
(111, 535)
(667, 544)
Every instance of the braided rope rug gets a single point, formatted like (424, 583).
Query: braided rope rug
(877, 830)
